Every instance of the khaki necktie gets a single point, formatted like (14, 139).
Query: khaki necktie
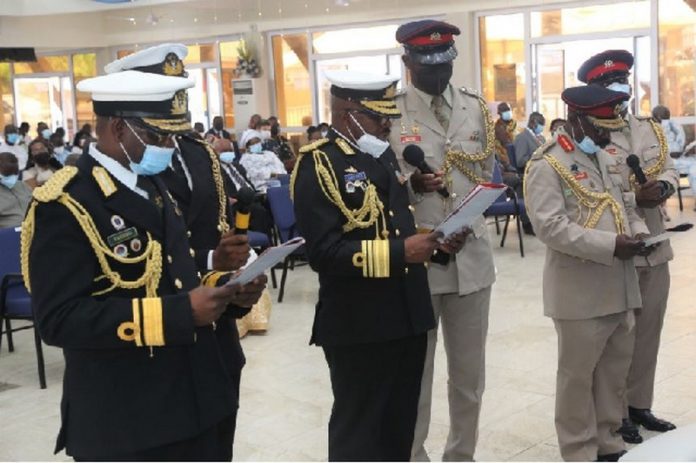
(438, 108)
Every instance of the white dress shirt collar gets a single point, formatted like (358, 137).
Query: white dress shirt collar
(122, 174)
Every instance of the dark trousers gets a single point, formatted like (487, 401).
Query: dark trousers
(214, 444)
(376, 387)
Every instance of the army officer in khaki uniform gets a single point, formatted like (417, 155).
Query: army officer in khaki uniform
(580, 211)
(454, 129)
(644, 138)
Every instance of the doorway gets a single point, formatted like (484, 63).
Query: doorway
(46, 99)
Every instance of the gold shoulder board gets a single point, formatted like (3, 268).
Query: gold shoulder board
(314, 145)
(542, 150)
(54, 187)
(345, 147)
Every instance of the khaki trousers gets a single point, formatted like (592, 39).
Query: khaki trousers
(464, 330)
(654, 289)
(594, 356)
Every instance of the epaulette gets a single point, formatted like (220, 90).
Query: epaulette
(55, 186)
(314, 145)
(565, 143)
(542, 150)
(471, 92)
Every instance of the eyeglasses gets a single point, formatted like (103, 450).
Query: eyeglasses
(380, 119)
(151, 137)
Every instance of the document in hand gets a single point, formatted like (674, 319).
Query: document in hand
(656, 239)
(471, 207)
(266, 260)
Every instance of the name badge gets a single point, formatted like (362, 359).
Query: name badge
(122, 236)
(406, 139)
(354, 180)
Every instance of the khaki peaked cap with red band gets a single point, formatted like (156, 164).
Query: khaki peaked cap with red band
(605, 64)
(601, 106)
(428, 41)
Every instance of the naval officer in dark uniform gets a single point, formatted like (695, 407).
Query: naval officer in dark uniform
(144, 375)
(374, 307)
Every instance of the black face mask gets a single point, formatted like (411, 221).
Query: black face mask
(432, 79)
(217, 126)
(42, 158)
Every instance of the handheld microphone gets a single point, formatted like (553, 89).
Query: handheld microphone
(245, 197)
(634, 163)
(414, 155)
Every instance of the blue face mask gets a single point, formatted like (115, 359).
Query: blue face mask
(227, 157)
(622, 88)
(9, 180)
(506, 115)
(155, 158)
(12, 138)
(588, 146)
(60, 154)
(46, 133)
(538, 129)
(256, 148)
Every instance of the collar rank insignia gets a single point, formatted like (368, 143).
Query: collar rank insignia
(345, 147)
(565, 143)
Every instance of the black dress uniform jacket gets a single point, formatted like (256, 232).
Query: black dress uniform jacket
(354, 308)
(200, 204)
(138, 373)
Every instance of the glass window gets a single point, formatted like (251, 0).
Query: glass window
(228, 62)
(677, 56)
(84, 66)
(364, 38)
(502, 61)
(292, 84)
(202, 53)
(43, 64)
(596, 18)
(6, 98)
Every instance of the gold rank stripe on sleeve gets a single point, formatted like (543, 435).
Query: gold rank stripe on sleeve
(147, 326)
(373, 258)
(211, 279)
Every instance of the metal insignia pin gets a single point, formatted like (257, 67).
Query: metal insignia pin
(121, 250)
(117, 222)
(136, 245)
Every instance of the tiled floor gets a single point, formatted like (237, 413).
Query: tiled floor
(286, 396)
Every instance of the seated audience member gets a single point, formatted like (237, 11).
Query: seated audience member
(43, 132)
(280, 146)
(556, 124)
(60, 131)
(13, 143)
(273, 120)
(218, 130)
(323, 129)
(24, 132)
(676, 139)
(85, 131)
(313, 134)
(251, 129)
(60, 151)
(14, 195)
(527, 141)
(41, 169)
(261, 166)
(198, 130)
(235, 178)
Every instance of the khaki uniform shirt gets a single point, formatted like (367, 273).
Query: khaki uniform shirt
(648, 143)
(582, 278)
(473, 268)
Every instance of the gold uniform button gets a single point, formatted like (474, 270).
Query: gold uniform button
(397, 232)
(178, 284)
(199, 274)
(411, 208)
(170, 259)
(193, 253)
(406, 270)
(391, 213)
(188, 233)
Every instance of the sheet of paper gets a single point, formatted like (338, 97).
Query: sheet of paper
(471, 207)
(656, 239)
(269, 258)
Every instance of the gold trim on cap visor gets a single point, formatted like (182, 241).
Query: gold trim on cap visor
(611, 124)
(388, 108)
(169, 125)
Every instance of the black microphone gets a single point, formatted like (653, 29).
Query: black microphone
(245, 197)
(634, 163)
(414, 155)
